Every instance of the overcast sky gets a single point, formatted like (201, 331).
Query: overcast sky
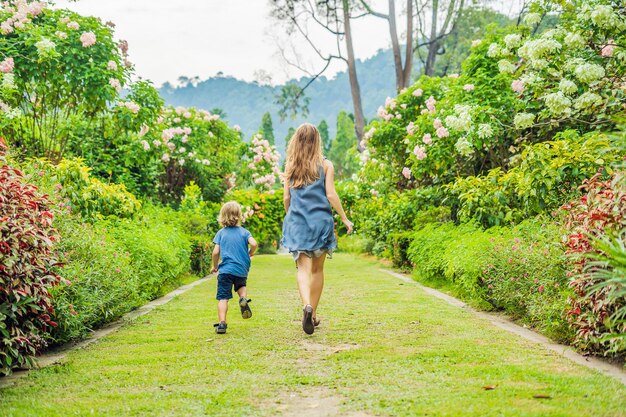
(202, 37)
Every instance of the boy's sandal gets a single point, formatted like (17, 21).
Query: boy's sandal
(246, 313)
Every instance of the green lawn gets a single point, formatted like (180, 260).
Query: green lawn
(384, 348)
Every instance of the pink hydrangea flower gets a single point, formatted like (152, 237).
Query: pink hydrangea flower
(145, 144)
(406, 172)
(115, 83)
(410, 128)
(111, 66)
(468, 87)
(442, 132)
(7, 65)
(88, 39)
(144, 129)
(430, 104)
(418, 92)
(427, 139)
(165, 157)
(518, 86)
(419, 152)
(437, 123)
(73, 25)
(607, 51)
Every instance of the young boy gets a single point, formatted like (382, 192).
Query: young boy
(235, 245)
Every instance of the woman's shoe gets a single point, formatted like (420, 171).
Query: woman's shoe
(307, 319)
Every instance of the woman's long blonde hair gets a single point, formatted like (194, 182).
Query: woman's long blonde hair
(304, 156)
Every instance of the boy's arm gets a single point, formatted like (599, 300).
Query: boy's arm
(253, 246)
(216, 258)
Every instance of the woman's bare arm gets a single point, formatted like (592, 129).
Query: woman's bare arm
(333, 197)
(286, 196)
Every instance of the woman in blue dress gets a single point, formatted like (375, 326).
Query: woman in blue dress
(308, 228)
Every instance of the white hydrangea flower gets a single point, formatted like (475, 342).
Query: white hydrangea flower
(531, 78)
(464, 147)
(532, 19)
(538, 63)
(505, 66)
(575, 40)
(484, 131)
(494, 50)
(567, 86)
(45, 47)
(513, 40)
(587, 100)
(605, 17)
(524, 120)
(8, 82)
(538, 48)
(558, 103)
(588, 73)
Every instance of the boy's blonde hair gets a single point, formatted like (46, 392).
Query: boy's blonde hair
(304, 156)
(230, 214)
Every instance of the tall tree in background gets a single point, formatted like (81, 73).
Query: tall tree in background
(334, 17)
(436, 19)
(266, 129)
(403, 71)
(323, 129)
(342, 150)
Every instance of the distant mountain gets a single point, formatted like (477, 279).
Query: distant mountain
(245, 102)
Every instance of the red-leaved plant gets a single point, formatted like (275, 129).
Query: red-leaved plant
(599, 213)
(27, 260)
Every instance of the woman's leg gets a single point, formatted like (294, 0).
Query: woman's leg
(304, 278)
(317, 281)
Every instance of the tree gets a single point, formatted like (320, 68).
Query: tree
(471, 25)
(430, 14)
(323, 129)
(333, 16)
(342, 150)
(403, 71)
(267, 130)
(290, 133)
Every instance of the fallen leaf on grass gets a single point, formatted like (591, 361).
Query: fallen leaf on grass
(209, 340)
(546, 396)
(489, 387)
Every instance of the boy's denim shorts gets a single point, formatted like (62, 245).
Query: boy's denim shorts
(226, 283)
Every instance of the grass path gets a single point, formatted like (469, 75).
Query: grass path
(384, 348)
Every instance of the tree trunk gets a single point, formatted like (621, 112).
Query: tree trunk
(408, 58)
(395, 46)
(433, 46)
(359, 121)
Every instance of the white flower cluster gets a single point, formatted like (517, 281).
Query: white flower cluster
(484, 131)
(524, 120)
(462, 122)
(588, 73)
(464, 147)
(558, 104)
(535, 49)
(587, 101)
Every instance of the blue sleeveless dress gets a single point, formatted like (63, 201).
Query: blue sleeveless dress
(309, 227)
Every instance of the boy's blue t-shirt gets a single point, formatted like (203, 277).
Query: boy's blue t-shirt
(233, 243)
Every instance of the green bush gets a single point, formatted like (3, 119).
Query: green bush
(519, 270)
(114, 266)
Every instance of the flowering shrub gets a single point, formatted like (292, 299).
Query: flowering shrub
(58, 69)
(262, 167)
(191, 145)
(598, 215)
(27, 261)
(546, 175)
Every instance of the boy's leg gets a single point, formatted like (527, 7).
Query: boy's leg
(222, 309)
(317, 281)
(243, 292)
